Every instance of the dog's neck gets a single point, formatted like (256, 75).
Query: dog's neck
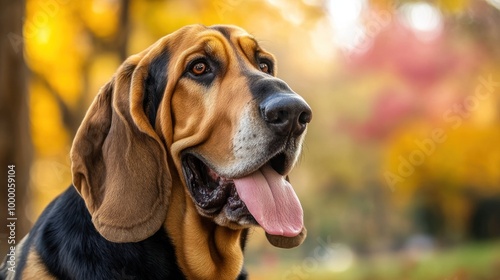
(203, 249)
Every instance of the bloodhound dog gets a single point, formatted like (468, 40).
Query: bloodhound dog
(181, 152)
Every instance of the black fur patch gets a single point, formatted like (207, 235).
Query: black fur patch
(224, 30)
(155, 84)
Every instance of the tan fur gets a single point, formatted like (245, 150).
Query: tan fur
(35, 269)
(203, 249)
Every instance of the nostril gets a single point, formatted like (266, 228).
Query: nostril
(282, 117)
(305, 117)
(274, 115)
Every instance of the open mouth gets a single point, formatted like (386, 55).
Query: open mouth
(261, 197)
(210, 191)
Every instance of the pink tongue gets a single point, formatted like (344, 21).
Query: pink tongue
(271, 201)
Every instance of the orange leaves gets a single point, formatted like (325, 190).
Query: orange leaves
(463, 158)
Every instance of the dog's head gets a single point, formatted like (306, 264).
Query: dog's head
(203, 103)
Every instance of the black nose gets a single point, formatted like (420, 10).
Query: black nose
(286, 114)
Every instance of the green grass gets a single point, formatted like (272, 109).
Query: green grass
(480, 261)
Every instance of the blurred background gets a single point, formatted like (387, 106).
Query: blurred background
(400, 175)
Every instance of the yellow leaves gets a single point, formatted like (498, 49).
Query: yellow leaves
(163, 17)
(382, 4)
(446, 6)
(101, 70)
(140, 40)
(47, 33)
(101, 17)
(48, 30)
(477, 157)
(48, 132)
(50, 176)
(453, 6)
(465, 157)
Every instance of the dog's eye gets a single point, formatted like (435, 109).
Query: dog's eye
(200, 68)
(264, 67)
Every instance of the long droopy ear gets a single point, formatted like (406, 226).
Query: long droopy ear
(119, 163)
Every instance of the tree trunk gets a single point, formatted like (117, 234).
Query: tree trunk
(15, 138)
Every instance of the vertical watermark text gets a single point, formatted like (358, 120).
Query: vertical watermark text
(11, 217)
